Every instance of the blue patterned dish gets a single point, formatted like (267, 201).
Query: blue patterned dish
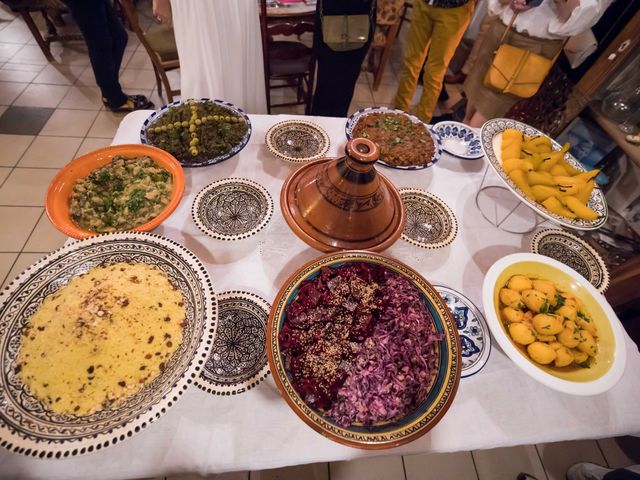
(459, 140)
(155, 116)
(472, 328)
(352, 121)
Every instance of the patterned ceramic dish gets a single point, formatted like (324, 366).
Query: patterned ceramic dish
(573, 252)
(475, 338)
(238, 358)
(491, 143)
(430, 222)
(459, 140)
(232, 209)
(352, 121)
(608, 368)
(297, 141)
(385, 435)
(157, 115)
(29, 427)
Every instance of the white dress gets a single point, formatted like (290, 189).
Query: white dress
(220, 49)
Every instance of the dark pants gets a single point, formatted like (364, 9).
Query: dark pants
(106, 40)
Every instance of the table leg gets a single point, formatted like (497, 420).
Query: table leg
(44, 46)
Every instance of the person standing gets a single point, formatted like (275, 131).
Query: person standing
(437, 27)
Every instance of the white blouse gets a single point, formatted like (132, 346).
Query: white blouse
(543, 21)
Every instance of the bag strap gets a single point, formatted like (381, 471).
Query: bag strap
(513, 19)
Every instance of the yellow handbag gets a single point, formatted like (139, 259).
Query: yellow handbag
(517, 71)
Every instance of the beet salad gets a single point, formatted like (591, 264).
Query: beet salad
(360, 344)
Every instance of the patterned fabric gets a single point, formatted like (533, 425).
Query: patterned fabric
(446, 3)
(388, 11)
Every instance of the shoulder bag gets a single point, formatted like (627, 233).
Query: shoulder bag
(343, 33)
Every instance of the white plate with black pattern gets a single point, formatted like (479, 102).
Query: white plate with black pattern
(475, 338)
(430, 222)
(232, 209)
(27, 426)
(297, 141)
(238, 358)
(491, 142)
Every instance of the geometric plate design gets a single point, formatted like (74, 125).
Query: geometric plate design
(297, 141)
(459, 140)
(430, 221)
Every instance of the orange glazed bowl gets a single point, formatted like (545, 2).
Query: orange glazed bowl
(61, 187)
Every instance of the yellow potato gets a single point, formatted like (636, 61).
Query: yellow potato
(587, 343)
(519, 283)
(563, 357)
(520, 180)
(554, 206)
(568, 167)
(546, 338)
(514, 163)
(559, 169)
(568, 312)
(586, 323)
(549, 160)
(540, 178)
(568, 190)
(569, 180)
(547, 324)
(522, 333)
(535, 300)
(510, 298)
(569, 335)
(555, 345)
(580, 209)
(578, 356)
(511, 143)
(542, 192)
(539, 143)
(546, 287)
(584, 191)
(541, 353)
(587, 176)
(511, 315)
(569, 300)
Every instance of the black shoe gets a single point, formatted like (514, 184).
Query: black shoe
(441, 118)
(133, 103)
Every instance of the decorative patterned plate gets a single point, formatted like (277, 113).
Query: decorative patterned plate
(430, 222)
(573, 252)
(386, 434)
(155, 116)
(297, 141)
(352, 121)
(30, 428)
(238, 358)
(475, 338)
(491, 141)
(459, 140)
(232, 209)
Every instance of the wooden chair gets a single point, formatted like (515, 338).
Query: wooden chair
(289, 61)
(160, 45)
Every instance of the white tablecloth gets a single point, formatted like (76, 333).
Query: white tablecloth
(202, 433)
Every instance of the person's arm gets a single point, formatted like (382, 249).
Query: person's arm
(565, 8)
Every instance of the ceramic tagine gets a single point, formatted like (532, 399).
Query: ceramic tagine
(344, 203)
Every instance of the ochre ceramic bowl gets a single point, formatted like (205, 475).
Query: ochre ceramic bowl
(61, 187)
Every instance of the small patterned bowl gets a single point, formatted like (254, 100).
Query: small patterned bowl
(297, 141)
(459, 140)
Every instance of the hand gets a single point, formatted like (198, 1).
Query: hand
(520, 6)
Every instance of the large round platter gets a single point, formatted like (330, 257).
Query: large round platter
(297, 141)
(352, 121)
(573, 252)
(386, 434)
(238, 358)
(232, 209)
(459, 140)
(475, 338)
(604, 373)
(430, 222)
(491, 142)
(30, 428)
(157, 115)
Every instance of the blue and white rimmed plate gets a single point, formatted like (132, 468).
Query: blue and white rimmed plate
(491, 140)
(353, 120)
(459, 140)
(235, 112)
(475, 338)
(27, 425)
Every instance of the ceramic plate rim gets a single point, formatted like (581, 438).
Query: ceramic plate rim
(239, 236)
(594, 387)
(438, 126)
(451, 235)
(314, 126)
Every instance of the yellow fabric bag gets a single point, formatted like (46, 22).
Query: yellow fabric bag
(517, 71)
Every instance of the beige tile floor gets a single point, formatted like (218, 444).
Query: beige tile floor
(79, 124)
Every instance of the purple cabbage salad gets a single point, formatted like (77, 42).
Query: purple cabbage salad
(360, 344)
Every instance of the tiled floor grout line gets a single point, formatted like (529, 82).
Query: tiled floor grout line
(475, 467)
(16, 164)
(6, 277)
(328, 470)
(404, 468)
(541, 462)
(603, 455)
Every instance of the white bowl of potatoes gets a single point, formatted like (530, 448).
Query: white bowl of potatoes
(553, 324)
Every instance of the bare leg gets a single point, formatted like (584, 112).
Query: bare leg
(469, 111)
(477, 120)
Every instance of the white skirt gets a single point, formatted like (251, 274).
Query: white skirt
(220, 49)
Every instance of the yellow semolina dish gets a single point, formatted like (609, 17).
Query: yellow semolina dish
(101, 338)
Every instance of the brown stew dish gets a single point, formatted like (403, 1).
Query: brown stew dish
(401, 142)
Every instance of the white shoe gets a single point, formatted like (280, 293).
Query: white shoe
(587, 471)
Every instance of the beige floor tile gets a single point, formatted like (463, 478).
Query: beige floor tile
(30, 54)
(70, 53)
(620, 452)
(56, 74)
(9, 91)
(137, 79)
(15, 34)
(17, 224)
(24, 261)
(220, 476)
(45, 238)
(105, 125)
(362, 95)
(8, 50)
(378, 468)
(6, 262)
(385, 94)
(83, 98)
(559, 456)
(3, 108)
(507, 463)
(313, 471)
(7, 75)
(4, 173)
(40, 95)
(13, 146)
(69, 123)
(25, 67)
(91, 144)
(50, 152)
(26, 186)
(440, 466)
(140, 59)
(87, 78)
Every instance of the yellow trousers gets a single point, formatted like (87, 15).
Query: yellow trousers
(438, 32)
